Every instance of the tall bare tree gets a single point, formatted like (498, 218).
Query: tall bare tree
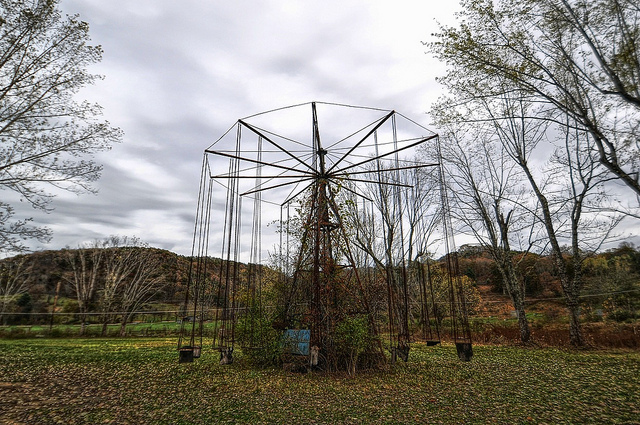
(119, 264)
(572, 202)
(86, 264)
(145, 279)
(391, 228)
(487, 202)
(46, 135)
(114, 277)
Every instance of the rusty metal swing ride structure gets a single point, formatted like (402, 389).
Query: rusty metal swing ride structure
(315, 239)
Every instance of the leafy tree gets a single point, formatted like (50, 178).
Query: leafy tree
(25, 303)
(528, 69)
(576, 58)
(613, 282)
(46, 136)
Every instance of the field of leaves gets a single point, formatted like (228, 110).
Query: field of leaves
(121, 381)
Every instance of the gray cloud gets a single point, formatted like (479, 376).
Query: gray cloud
(179, 74)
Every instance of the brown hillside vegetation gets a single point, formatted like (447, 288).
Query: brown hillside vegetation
(35, 285)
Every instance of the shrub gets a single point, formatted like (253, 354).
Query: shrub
(260, 342)
(621, 315)
(352, 338)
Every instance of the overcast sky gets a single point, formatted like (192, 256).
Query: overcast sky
(178, 74)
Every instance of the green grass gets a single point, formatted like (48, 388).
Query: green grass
(91, 381)
(151, 329)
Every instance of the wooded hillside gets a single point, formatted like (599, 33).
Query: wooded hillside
(102, 285)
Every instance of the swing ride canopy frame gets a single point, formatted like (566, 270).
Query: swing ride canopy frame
(278, 161)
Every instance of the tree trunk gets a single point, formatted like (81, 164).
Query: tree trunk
(523, 322)
(570, 281)
(512, 282)
(83, 320)
(516, 289)
(575, 329)
(513, 287)
(123, 326)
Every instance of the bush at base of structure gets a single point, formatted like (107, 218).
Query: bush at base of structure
(353, 341)
(260, 342)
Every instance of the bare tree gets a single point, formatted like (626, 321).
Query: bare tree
(570, 194)
(45, 134)
(571, 201)
(119, 264)
(388, 228)
(487, 202)
(13, 278)
(118, 274)
(86, 264)
(14, 232)
(561, 63)
(145, 279)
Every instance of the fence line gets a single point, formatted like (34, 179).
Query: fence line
(181, 312)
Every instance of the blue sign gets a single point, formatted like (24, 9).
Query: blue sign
(296, 341)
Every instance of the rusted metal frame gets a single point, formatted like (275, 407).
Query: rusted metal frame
(200, 271)
(300, 177)
(397, 195)
(387, 154)
(280, 176)
(305, 237)
(408, 167)
(225, 260)
(354, 147)
(254, 280)
(255, 161)
(193, 249)
(204, 254)
(292, 197)
(235, 282)
(316, 313)
(249, 192)
(351, 135)
(452, 259)
(320, 152)
(357, 194)
(265, 137)
(321, 209)
(375, 182)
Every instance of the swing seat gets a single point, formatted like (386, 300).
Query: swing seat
(196, 351)
(185, 354)
(226, 355)
(465, 351)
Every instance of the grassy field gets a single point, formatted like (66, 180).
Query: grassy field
(121, 381)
